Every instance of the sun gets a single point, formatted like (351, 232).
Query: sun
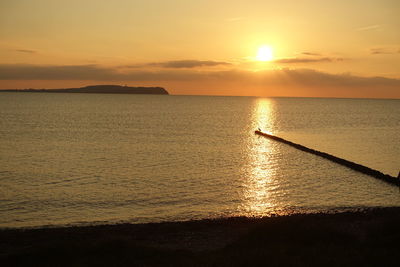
(264, 53)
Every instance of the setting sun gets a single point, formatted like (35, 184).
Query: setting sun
(264, 53)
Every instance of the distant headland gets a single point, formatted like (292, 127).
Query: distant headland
(99, 89)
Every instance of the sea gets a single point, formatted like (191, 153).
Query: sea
(85, 159)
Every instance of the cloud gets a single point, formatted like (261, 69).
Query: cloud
(306, 60)
(278, 82)
(27, 51)
(310, 54)
(309, 77)
(54, 72)
(370, 27)
(282, 77)
(188, 63)
(92, 72)
(180, 64)
(385, 51)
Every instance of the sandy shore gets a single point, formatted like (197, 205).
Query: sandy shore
(366, 238)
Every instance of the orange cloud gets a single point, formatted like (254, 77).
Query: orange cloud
(27, 51)
(385, 50)
(307, 60)
(181, 64)
(287, 82)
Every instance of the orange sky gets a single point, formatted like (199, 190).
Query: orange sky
(319, 48)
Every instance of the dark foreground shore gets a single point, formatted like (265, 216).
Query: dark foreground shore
(365, 238)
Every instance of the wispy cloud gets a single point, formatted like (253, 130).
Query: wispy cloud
(384, 50)
(181, 64)
(26, 51)
(369, 27)
(300, 77)
(306, 60)
(54, 72)
(310, 54)
(289, 82)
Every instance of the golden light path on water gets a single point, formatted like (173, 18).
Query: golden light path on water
(260, 181)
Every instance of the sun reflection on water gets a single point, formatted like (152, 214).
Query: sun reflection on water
(260, 182)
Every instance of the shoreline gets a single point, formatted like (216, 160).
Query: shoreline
(296, 211)
(366, 237)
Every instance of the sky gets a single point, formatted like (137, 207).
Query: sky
(342, 48)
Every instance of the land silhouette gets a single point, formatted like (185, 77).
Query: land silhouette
(99, 89)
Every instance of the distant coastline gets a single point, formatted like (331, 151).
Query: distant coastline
(98, 89)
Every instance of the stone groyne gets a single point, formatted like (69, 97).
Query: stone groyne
(352, 165)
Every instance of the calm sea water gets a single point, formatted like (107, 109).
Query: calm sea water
(85, 158)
